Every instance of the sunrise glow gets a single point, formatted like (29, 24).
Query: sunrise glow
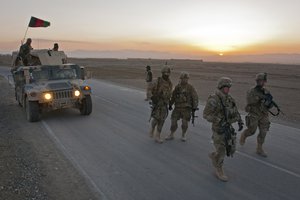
(180, 29)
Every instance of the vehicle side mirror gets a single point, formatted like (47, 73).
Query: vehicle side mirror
(85, 74)
(88, 74)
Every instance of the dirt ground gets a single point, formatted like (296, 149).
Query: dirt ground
(283, 80)
(31, 166)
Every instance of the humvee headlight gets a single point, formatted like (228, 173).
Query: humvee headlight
(87, 88)
(47, 96)
(77, 93)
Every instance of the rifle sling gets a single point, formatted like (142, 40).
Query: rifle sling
(223, 108)
(278, 112)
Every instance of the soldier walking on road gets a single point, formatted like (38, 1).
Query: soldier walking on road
(161, 94)
(149, 82)
(257, 108)
(221, 111)
(185, 99)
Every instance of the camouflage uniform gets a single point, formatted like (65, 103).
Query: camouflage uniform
(149, 83)
(161, 94)
(24, 52)
(185, 99)
(257, 114)
(214, 113)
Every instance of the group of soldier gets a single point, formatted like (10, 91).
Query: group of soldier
(24, 51)
(221, 110)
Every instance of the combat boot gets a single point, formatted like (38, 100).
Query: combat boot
(220, 174)
(170, 137)
(157, 138)
(212, 156)
(260, 151)
(243, 138)
(183, 138)
(151, 132)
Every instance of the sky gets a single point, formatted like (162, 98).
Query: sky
(185, 29)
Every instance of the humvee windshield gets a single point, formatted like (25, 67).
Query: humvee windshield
(55, 73)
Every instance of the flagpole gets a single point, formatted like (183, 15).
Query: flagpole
(25, 34)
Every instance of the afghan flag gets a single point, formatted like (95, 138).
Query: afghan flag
(35, 22)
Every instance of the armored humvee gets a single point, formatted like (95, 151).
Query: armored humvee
(49, 83)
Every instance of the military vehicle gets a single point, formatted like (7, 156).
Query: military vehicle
(50, 83)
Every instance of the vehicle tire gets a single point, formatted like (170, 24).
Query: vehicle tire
(32, 111)
(86, 105)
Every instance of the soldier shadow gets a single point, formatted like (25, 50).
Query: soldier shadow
(69, 113)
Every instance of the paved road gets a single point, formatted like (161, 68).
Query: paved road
(112, 149)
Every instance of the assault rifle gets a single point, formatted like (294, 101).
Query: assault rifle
(228, 132)
(194, 116)
(153, 104)
(269, 103)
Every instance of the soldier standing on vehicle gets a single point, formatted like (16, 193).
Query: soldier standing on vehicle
(257, 108)
(185, 98)
(149, 82)
(24, 52)
(221, 111)
(161, 94)
(55, 47)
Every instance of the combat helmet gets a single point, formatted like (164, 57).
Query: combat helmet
(28, 40)
(261, 76)
(166, 70)
(224, 82)
(184, 75)
(148, 67)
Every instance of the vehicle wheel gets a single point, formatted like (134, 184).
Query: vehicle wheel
(86, 105)
(32, 111)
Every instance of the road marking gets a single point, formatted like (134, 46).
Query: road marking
(128, 89)
(269, 164)
(73, 161)
(121, 87)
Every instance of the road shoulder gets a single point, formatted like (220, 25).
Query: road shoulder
(31, 166)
